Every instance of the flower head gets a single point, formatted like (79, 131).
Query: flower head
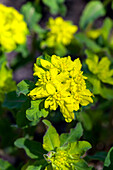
(61, 83)
(101, 68)
(60, 32)
(13, 29)
(61, 159)
(67, 157)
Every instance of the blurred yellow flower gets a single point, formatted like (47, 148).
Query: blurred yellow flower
(6, 82)
(101, 68)
(62, 84)
(94, 33)
(60, 32)
(13, 29)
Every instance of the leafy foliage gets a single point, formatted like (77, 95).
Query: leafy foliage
(56, 6)
(74, 135)
(95, 9)
(24, 87)
(51, 143)
(36, 111)
(32, 16)
(13, 101)
(32, 148)
(5, 165)
(108, 164)
(51, 139)
(62, 89)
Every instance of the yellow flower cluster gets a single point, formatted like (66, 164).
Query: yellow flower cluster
(101, 68)
(13, 29)
(62, 160)
(60, 32)
(62, 84)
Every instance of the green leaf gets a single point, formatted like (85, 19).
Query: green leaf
(2, 59)
(73, 136)
(79, 147)
(39, 30)
(83, 39)
(7, 133)
(62, 9)
(95, 82)
(47, 57)
(56, 6)
(21, 119)
(37, 165)
(92, 11)
(60, 50)
(23, 49)
(106, 28)
(33, 149)
(12, 101)
(49, 167)
(112, 5)
(32, 17)
(108, 164)
(85, 119)
(5, 165)
(51, 138)
(34, 167)
(90, 54)
(82, 165)
(24, 87)
(107, 93)
(36, 111)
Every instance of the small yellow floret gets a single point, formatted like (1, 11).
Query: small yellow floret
(13, 29)
(60, 32)
(62, 160)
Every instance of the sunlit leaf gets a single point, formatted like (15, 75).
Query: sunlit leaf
(24, 87)
(73, 136)
(92, 11)
(51, 138)
(36, 111)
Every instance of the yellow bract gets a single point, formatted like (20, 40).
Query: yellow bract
(62, 159)
(101, 68)
(13, 29)
(60, 32)
(61, 83)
